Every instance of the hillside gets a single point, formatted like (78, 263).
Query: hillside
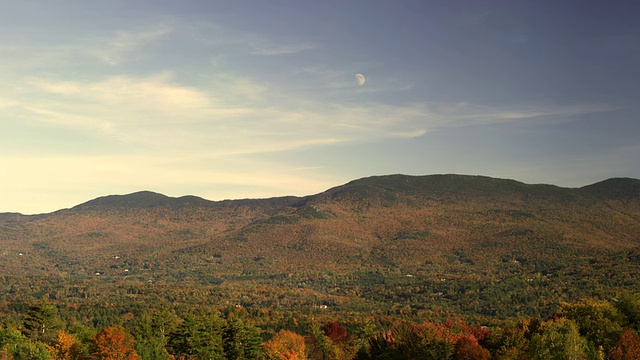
(473, 245)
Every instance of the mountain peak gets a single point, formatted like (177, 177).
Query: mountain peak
(141, 199)
(615, 188)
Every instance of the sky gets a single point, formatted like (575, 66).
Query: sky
(231, 99)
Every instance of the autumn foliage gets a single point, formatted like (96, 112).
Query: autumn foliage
(285, 345)
(628, 348)
(467, 348)
(336, 332)
(67, 347)
(112, 343)
(239, 334)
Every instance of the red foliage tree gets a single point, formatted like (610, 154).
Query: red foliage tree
(336, 332)
(467, 348)
(481, 333)
(628, 348)
(112, 343)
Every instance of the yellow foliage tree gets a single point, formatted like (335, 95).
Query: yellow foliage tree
(285, 345)
(67, 347)
(113, 343)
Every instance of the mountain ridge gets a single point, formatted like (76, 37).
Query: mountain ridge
(439, 184)
(472, 244)
(142, 198)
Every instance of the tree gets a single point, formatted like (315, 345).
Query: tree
(241, 341)
(559, 340)
(467, 348)
(163, 322)
(200, 338)
(336, 332)
(156, 324)
(113, 343)
(509, 342)
(31, 351)
(41, 323)
(628, 348)
(16, 347)
(598, 322)
(84, 335)
(182, 341)
(629, 307)
(67, 347)
(321, 347)
(151, 332)
(424, 341)
(285, 345)
(151, 349)
(208, 337)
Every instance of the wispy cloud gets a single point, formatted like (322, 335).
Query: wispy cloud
(113, 48)
(463, 113)
(284, 49)
(190, 121)
(84, 50)
(237, 115)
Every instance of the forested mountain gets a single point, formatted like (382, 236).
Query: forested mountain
(415, 245)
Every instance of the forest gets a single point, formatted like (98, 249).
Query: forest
(390, 267)
(589, 329)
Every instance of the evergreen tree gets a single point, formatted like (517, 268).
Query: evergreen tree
(197, 337)
(321, 347)
(407, 342)
(15, 346)
(151, 349)
(182, 342)
(41, 323)
(208, 338)
(163, 322)
(241, 341)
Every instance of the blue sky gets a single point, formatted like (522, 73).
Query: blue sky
(245, 99)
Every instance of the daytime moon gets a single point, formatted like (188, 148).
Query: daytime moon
(360, 79)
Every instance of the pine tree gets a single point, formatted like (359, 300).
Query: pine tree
(42, 323)
(181, 341)
(241, 341)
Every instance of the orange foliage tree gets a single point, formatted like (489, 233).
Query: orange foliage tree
(628, 348)
(467, 348)
(112, 343)
(285, 345)
(67, 347)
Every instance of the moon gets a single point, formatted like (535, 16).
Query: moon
(360, 79)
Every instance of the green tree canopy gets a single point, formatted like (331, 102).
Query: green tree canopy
(42, 323)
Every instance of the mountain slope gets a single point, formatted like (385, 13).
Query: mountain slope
(469, 244)
(142, 199)
(615, 189)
